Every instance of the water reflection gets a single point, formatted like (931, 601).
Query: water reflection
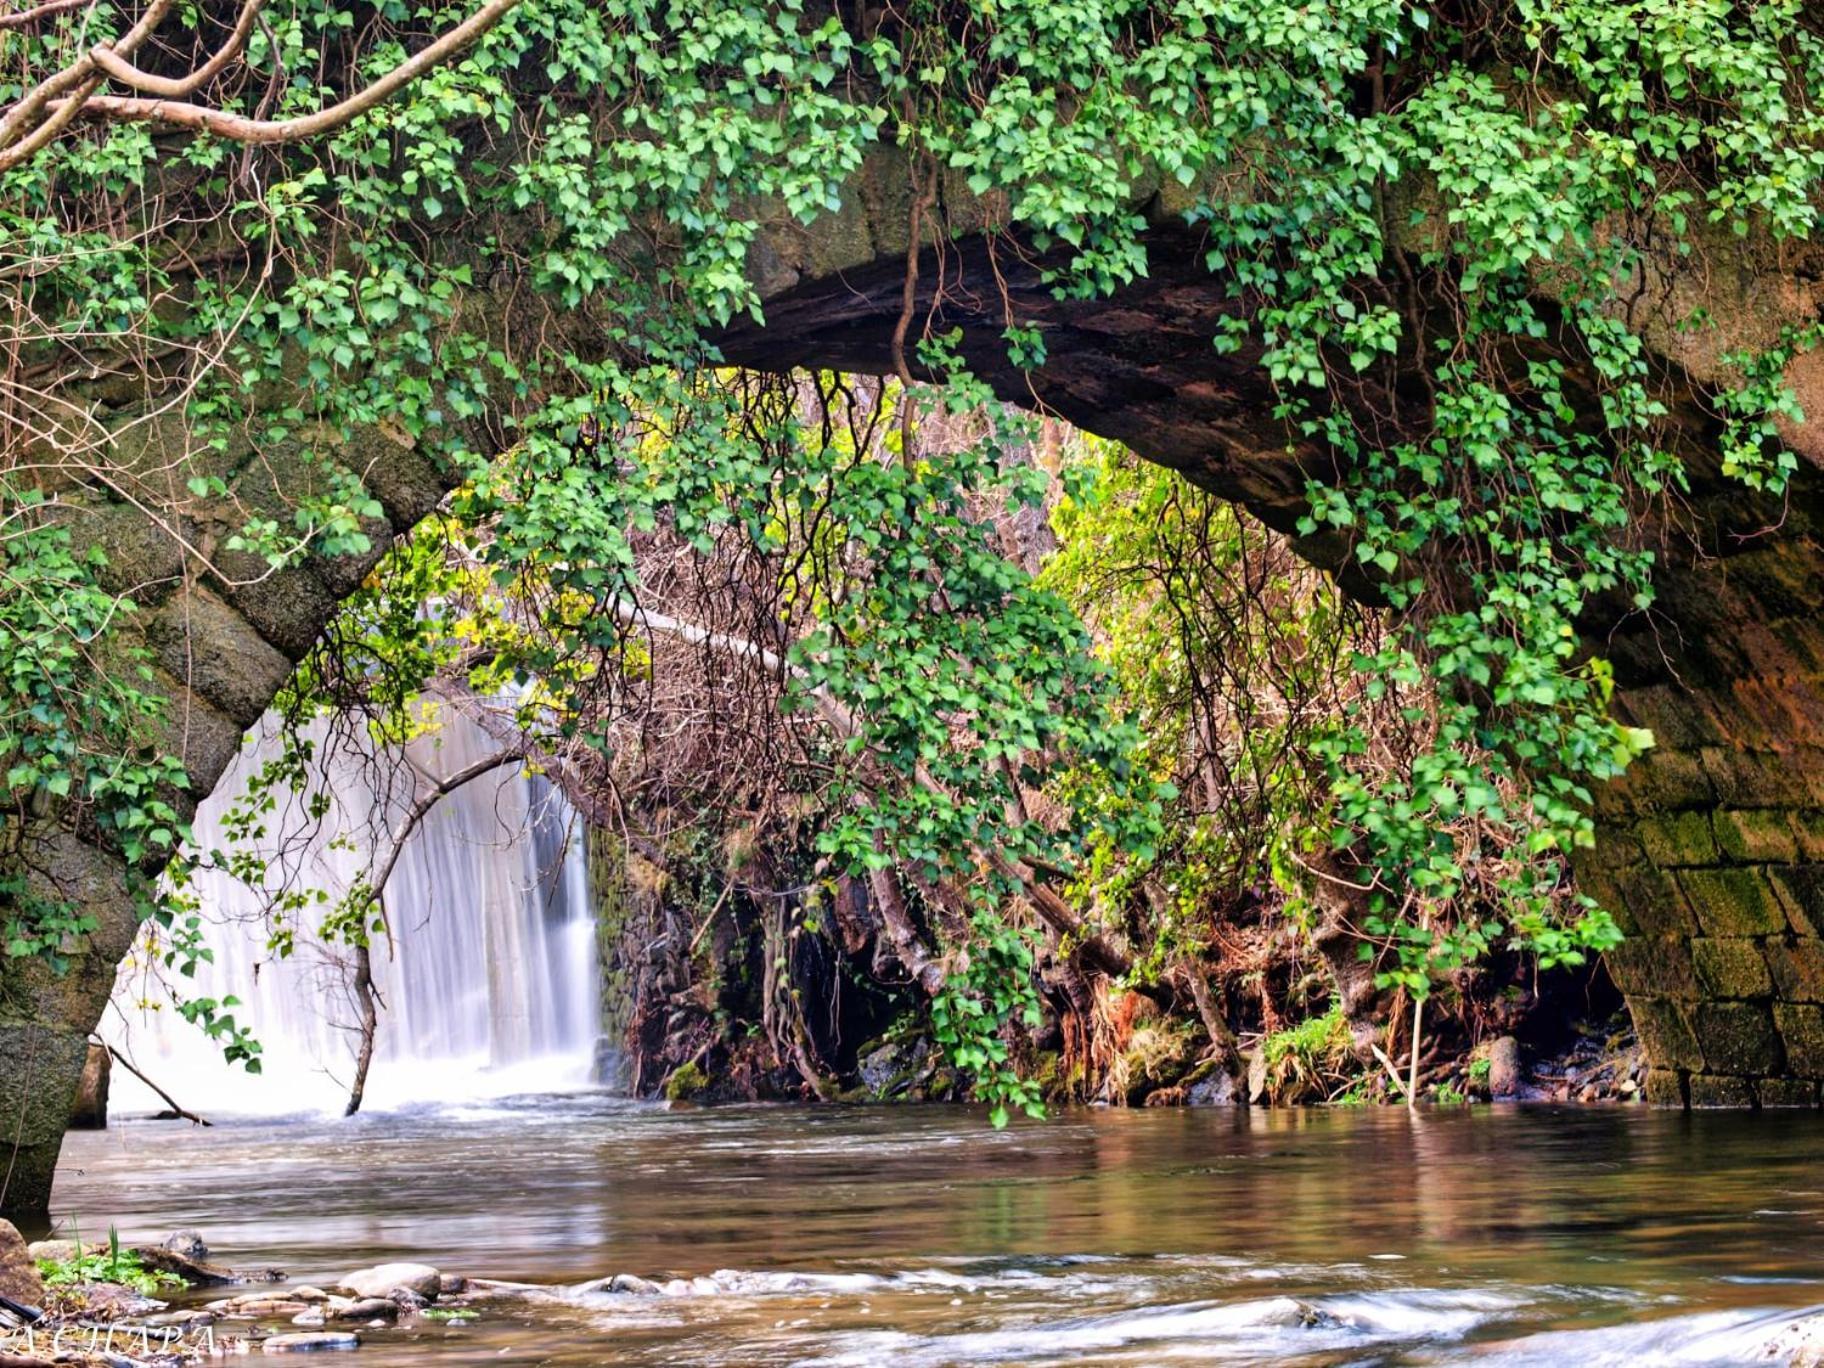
(1097, 1237)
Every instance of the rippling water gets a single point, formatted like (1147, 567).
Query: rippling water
(918, 1236)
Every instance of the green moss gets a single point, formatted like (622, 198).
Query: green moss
(686, 1082)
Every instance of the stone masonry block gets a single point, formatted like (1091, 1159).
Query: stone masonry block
(1654, 966)
(1797, 969)
(1665, 1032)
(1730, 968)
(1755, 836)
(1802, 1030)
(1755, 779)
(1733, 902)
(1720, 1090)
(1654, 902)
(1801, 891)
(1808, 831)
(1677, 839)
(1786, 1092)
(1737, 1038)
(1665, 1088)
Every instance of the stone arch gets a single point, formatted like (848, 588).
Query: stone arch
(1712, 851)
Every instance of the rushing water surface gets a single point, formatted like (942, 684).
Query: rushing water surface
(919, 1236)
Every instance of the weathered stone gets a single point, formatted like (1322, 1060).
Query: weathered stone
(1665, 1033)
(202, 642)
(19, 1278)
(1655, 903)
(1801, 892)
(1654, 966)
(1808, 831)
(1718, 1091)
(1217, 1089)
(1802, 1032)
(91, 1109)
(1797, 968)
(311, 1342)
(1678, 839)
(1744, 779)
(1786, 1092)
(380, 1280)
(365, 1309)
(1737, 1038)
(191, 1245)
(1665, 1088)
(1730, 968)
(1755, 836)
(1506, 1073)
(1732, 902)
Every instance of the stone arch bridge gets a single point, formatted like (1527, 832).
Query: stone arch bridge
(1711, 853)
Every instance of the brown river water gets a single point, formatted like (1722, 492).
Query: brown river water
(918, 1236)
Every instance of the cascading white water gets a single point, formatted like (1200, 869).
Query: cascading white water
(490, 984)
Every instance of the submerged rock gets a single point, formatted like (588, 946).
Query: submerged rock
(1217, 1090)
(366, 1309)
(19, 1280)
(307, 1343)
(380, 1280)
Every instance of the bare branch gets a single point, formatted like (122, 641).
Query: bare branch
(239, 128)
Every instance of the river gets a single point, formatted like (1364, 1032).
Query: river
(919, 1236)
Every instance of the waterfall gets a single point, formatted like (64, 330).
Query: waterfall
(490, 984)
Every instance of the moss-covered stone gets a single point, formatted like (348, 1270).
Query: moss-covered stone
(1730, 968)
(1676, 840)
(1654, 902)
(1801, 893)
(1665, 1088)
(686, 1081)
(1797, 968)
(1665, 1033)
(1786, 1092)
(1733, 902)
(1158, 1055)
(1737, 1038)
(1719, 1091)
(1802, 1033)
(1654, 966)
(1808, 832)
(1755, 836)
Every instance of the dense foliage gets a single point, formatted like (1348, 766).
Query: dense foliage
(510, 267)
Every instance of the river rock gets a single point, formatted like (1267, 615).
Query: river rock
(1218, 1090)
(19, 1280)
(311, 1319)
(452, 1285)
(1506, 1077)
(57, 1251)
(188, 1243)
(314, 1340)
(366, 1309)
(380, 1280)
(90, 1110)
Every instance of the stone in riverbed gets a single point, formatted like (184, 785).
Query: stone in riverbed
(380, 1280)
(1506, 1075)
(367, 1309)
(313, 1319)
(19, 1280)
(188, 1243)
(306, 1343)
